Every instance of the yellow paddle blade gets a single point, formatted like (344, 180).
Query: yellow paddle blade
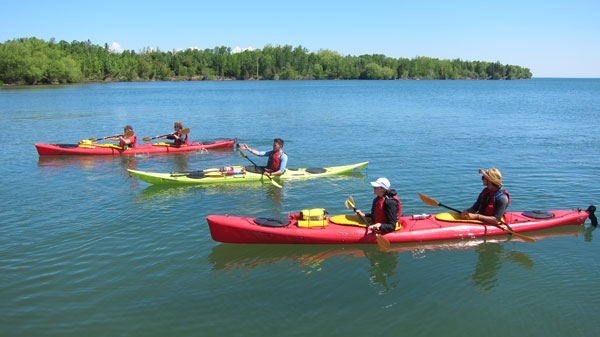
(347, 203)
(184, 131)
(147, 139)
(129, 133)
(242, 153)
(350, 202)
(428, 200)
(275, 183)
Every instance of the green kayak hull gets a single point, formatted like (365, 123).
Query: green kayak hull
(212, 176)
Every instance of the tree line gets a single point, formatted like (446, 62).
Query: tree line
(35, 61)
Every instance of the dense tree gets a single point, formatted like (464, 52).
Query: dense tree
(33, 61)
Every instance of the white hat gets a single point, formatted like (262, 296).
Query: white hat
(381, 182)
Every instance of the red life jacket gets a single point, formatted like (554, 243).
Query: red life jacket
(487, 201)
(274, 161)
(380, 214)
(132, 139)
(178, 141)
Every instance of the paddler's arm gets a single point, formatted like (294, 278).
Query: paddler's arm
(247, 148)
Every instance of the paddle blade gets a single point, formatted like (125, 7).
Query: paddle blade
(242, 153)
(428, 200)
(147, 139)
(383, 243)
(184, 131)
(347, 203)
(526, 238)
(129, 133)
(351, 202)
(275, 183)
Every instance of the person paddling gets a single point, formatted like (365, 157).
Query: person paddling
(492, 202)
(125, 142)
(277, 158)
(386, 209)
(177, 136)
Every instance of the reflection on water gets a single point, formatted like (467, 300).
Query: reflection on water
(491, 256)
(165, 193)
(382, 266)
(588, 233)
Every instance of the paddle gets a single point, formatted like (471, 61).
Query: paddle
(181, 132)
(129, 133)
(434, 203)
(262, 168)
(382, 242)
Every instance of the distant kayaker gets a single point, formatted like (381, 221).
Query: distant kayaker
(277, 158)
(492, 201)
(179, 137)
(125, 142)
(386, 209)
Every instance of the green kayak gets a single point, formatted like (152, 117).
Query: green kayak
(232, 174)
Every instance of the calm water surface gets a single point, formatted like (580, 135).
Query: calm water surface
(87, 250)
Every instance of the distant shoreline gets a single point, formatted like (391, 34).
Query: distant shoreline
(31, 61)
(6, 85)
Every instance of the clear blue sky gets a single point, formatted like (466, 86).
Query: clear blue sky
(552, 38)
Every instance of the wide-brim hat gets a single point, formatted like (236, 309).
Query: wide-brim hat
(493, 175)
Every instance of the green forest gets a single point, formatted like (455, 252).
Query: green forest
(36, 61)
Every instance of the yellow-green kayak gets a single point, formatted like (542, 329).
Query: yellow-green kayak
(232, 174)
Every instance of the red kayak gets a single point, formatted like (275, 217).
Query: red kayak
(115, 150)
(346, 229)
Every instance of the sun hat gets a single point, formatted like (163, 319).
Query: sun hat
(381, 182)
(492, 175)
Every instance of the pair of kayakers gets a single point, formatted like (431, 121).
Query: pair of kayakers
(129, 140)
(490, 206)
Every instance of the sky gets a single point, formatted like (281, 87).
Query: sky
(551, 38)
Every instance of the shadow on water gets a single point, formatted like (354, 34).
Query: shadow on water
(491, 255)
(88, 162)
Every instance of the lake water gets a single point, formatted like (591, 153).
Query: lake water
(85, 249)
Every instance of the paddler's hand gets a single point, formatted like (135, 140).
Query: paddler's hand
(244, 146)
(375, 227)
(469, 216)
(359, 213)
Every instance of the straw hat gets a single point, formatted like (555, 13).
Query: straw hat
(492, 175)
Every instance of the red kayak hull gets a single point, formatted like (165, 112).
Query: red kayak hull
(74, 150)
(231, 229)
